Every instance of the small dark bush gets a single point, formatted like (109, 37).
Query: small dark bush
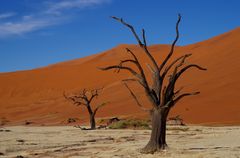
(130, 124)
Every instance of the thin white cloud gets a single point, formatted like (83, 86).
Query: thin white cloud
(57, 8)
(7, 15)
(27, 23)
(25, 26)
(51, 15)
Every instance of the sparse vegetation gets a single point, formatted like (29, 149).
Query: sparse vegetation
(72, 120)
(5, 130)
(108, 121)
(3, 121)
(130, 124)
(178, 128)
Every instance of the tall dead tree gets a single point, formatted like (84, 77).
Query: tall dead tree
(161, 93)
(85, 98)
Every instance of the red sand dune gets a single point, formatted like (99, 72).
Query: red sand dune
(37, 95)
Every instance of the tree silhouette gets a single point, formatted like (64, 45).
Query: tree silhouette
(85, 98)
(161, 93)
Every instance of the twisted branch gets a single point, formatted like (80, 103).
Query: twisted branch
(135, 98)
(141, 44)
(173, 44)
(98, 107)
(182, 96)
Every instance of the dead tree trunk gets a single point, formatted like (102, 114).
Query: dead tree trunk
(85, 98)
(91, 117)
(161, 93)
(92, 122)
(158, 135)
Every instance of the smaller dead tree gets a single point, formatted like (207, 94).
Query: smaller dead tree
(85, 98)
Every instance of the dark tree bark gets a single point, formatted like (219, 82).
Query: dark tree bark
(85, 98)
(161, 93)
(92, 122)
(157, 136)
(157, 140)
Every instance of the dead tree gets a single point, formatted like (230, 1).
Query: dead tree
(85, 98)
(161, 92)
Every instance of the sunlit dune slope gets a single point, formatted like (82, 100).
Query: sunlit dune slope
(37, 95)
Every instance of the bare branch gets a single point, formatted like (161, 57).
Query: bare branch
(142, 79)
(166, 105)
(134, 79)
(157, 93)
(178, 91)
(150, 68)
(163, 95)
(75, 100)
(130, 79)
(121, 68)
(144, 46)
(130, 27)
(152, 93)
(157, 83)
(98, 107)
(169, 95)
(172, 76)
(144, 37)
(188, 67)
(135, 98)
(143, 76)
(173, 63)
(93, 95)
(133, 55)
(182, 96)
(127, 61)
(169, 89)
(172, 46)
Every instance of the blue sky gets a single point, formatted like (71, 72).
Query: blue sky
(36, 33)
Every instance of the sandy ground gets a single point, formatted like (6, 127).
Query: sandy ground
(66, 141)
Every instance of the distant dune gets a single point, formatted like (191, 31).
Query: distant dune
(37, 95)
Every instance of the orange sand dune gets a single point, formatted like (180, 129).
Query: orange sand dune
(36, 95)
